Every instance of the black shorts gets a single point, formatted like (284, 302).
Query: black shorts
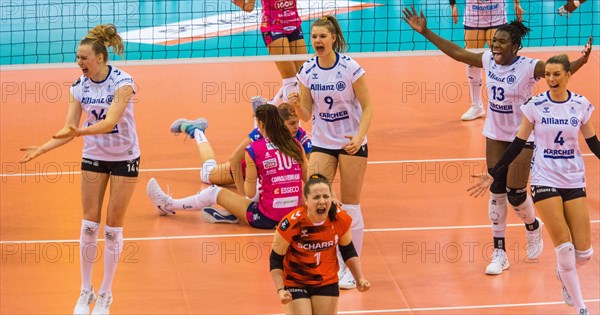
(485, 28)
(269, 37)
(257, 219)
(539, 193)
(129, 168)
(307, 292)
(362, 152)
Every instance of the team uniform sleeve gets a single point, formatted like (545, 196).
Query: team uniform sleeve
(254, 135)
(356, 71)
(302, 76)
(124, 79)
(344, 221)
(251, 152)
(587, 112)
(485, 57)
(529, 111)
(75, 89)
(285, 228)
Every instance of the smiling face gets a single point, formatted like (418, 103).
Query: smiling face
(556, 77)
(322, 40)
(90, 63)
(318, 201)
(503, 49)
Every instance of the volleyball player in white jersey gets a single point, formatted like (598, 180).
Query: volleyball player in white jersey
(558, 175)
(111, 153)
(481, 20)
(510, 83)
(333, 90)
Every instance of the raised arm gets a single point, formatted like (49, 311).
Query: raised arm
(419, 24)
(540, 67)
(518, 10)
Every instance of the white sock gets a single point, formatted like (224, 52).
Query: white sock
(205, 198)
(357, 229)
(474, 79)
(88, 249)
(199, 136)
(565, 256)
(497, 210)
(113, 245)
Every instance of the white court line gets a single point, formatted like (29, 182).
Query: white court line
(179, 169)
(451, 308)
(189, 237)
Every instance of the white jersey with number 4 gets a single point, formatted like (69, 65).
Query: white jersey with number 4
(336, 110)
(557, 160)
(120, 144)
(508, 87)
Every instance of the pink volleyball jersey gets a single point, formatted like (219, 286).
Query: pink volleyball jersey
(485, 13)
(279, 16)
(280, 177)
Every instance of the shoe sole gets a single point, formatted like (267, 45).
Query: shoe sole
(210, 219)
(497, 273)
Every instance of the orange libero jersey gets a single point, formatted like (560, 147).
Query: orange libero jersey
(311, 259)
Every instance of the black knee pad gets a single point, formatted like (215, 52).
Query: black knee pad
(516, 197)
(499, 185)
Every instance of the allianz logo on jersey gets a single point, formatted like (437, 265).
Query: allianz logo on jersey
(556, 121)
(510, 79)
(102, 100)
(340, 86)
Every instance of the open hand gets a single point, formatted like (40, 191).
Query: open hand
(417, 22)
(479, 189)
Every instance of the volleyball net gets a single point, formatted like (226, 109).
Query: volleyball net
(33, 32)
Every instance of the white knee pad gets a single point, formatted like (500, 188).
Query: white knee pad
(583, 256)
(497, 210)
(565, 256)
(208, 167)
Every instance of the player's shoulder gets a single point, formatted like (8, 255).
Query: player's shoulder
(292, 219)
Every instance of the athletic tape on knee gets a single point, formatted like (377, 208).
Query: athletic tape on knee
(565, 256)
(208, 167)
(497, 210)
(583, 256)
